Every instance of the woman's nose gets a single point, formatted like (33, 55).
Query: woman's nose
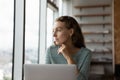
(54, 34)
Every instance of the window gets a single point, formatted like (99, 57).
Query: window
(31, 31)
(52, 13)
(49, 26)
(6, 38)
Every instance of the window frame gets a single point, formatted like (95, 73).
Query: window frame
(19, 36)
(18, 39)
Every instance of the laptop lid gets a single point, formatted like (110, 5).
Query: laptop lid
(49, 72)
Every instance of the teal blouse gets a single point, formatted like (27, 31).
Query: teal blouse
(82, 59)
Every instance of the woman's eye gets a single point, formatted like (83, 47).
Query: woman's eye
(56, 31)
(59, 30)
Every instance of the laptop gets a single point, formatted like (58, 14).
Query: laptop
(49, 72)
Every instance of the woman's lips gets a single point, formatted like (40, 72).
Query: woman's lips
(55, 39)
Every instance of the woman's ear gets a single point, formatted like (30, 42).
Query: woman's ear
(71, 32)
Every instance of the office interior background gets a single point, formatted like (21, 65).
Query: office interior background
(26, 33)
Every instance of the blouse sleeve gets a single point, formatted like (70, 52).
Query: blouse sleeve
(47, 57)
(84, 67)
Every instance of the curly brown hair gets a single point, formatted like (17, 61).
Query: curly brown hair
(71, 23)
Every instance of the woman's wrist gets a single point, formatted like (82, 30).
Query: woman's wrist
(70, 60)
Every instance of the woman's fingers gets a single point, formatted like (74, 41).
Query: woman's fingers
(60, 50)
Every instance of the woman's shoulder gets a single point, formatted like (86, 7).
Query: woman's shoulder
(86, 51)
(53, 47)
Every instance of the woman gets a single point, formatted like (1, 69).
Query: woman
(69, 46)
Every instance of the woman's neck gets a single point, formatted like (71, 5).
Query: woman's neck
(72, 48)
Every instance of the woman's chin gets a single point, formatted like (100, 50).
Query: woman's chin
(58, 43)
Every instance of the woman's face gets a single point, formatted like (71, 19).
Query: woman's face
(60, 33)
